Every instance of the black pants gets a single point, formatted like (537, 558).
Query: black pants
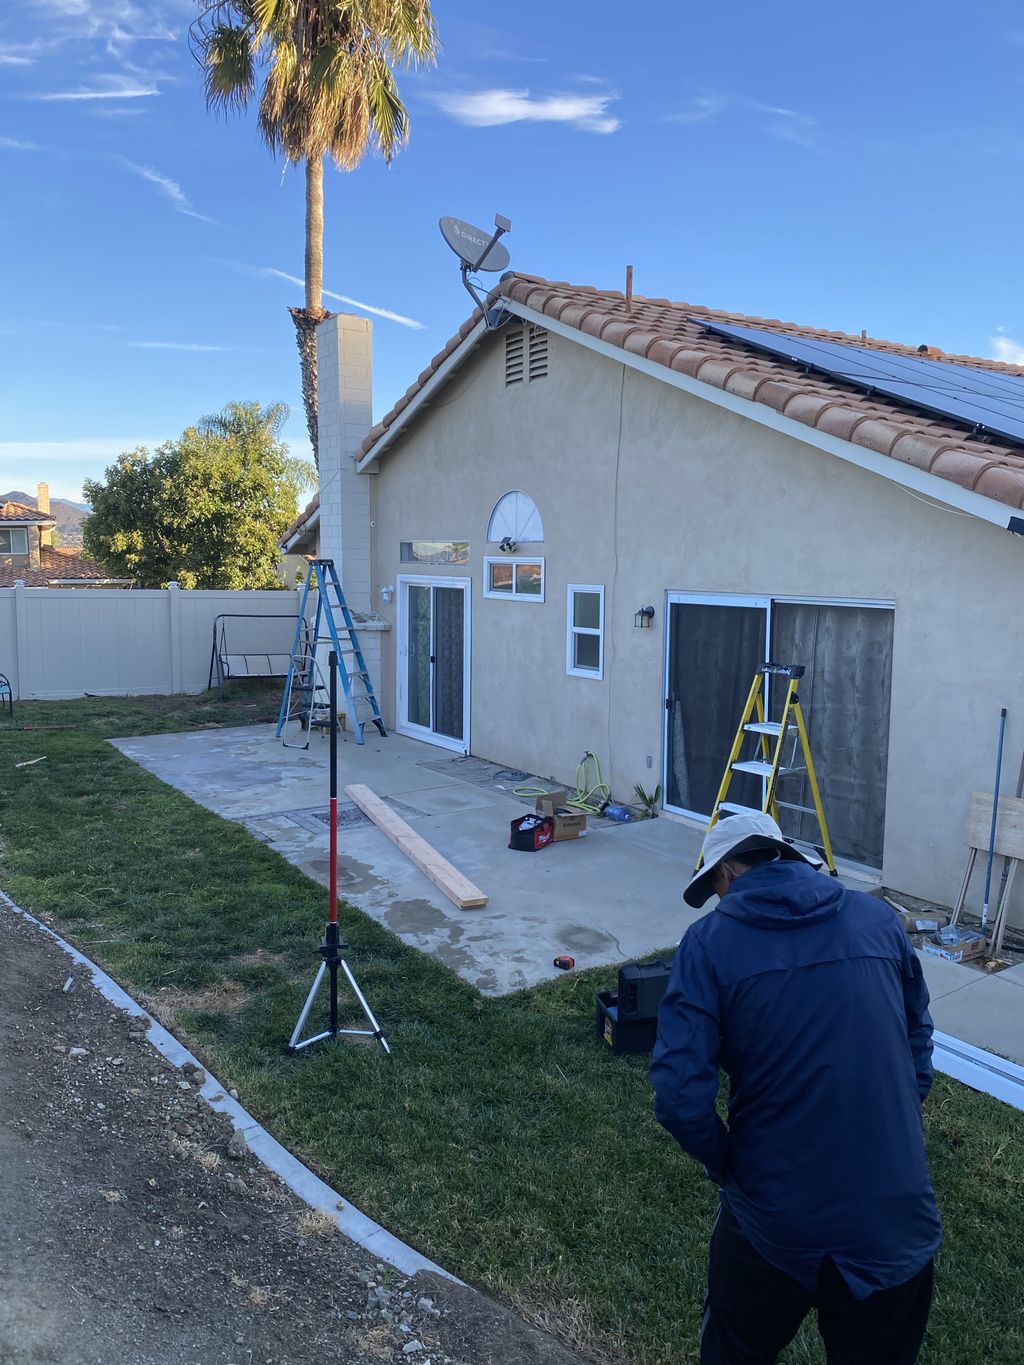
(753, 1310)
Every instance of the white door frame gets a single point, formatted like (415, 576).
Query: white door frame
(422, 732)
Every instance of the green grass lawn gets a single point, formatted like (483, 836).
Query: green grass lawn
(501, 1138)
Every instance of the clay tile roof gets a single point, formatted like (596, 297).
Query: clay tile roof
(54, 564)
(301, 519)
(667, 334)
(18, 511)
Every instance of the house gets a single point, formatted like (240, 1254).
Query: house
(28, 555)
(547, 481)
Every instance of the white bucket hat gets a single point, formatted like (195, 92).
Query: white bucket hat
(731, 838)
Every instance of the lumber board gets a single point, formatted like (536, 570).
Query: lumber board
(458, 888)
(1009, 824)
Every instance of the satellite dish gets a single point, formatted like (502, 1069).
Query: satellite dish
(475, 248)
(478, 250)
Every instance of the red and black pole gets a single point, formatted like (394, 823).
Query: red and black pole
(331, 945)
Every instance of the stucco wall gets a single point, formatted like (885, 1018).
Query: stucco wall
(706, 501)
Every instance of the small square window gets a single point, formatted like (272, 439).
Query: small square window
(519, 578)
(14, 540)
(584, 646)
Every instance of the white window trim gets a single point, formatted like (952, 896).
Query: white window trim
(597, 675)
(12, 531)
(514, 596)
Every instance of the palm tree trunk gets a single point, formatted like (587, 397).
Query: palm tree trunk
(306, 319)
(314, 234)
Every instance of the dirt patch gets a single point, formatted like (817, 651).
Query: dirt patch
(135, 1229)
(223, 997)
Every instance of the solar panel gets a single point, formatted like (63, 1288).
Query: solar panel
(984, 400)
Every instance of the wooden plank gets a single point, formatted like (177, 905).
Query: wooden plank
(459, 889)
(1009, 824)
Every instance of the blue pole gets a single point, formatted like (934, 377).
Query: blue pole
(995, 812)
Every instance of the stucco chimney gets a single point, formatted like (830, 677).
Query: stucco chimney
(43, 505)
(345, 409)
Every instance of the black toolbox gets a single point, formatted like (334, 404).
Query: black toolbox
(622, 1035)
(641, 987)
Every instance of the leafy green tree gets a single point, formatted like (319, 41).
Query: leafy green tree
(206, 510)
(329, 89)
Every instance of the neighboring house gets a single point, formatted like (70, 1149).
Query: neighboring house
(28, 555)
(542, 482)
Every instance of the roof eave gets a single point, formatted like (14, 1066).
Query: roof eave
(300, 532)
(430, 387)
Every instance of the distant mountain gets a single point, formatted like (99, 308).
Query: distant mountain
(69, 515)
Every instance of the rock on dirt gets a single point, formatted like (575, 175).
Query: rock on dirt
(125, 1238)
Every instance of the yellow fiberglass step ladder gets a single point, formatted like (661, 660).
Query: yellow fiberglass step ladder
(770, 765)
(306, 697)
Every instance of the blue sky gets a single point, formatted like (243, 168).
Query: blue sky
(848, 168)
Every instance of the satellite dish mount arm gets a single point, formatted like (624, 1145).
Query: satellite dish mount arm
(492, 316)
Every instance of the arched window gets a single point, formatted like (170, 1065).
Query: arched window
(515, 515)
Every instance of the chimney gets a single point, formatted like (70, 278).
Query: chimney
(43, 505)
(345, 412)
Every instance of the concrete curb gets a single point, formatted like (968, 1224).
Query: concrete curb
(299, 1178)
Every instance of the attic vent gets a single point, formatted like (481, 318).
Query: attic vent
(538, 353)
(514, 347)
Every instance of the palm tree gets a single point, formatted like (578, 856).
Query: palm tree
(328, 89)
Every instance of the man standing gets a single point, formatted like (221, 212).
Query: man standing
(812, 1000)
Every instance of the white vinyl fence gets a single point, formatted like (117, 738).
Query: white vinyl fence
(67, 642)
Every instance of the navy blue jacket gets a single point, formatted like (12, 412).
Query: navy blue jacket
(811, 998)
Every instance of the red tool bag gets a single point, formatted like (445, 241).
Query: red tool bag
(531, 832)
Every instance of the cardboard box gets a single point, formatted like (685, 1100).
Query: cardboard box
(569, 824)
(959, 952)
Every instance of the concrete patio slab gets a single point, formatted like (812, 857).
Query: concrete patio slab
(988, 1013)
(614, 895)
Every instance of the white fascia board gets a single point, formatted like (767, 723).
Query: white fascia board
(310, 524)
(907, 476)
(433, 383)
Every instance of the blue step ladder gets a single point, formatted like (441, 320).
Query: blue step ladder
(306, 700)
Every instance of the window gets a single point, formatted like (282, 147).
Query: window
(14, 541)
(526, 354)
(434, 551)
(522, 578)
(584, 649)
(515, 515)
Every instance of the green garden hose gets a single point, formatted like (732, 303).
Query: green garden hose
(590, 798)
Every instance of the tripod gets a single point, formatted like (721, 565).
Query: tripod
(331, 945)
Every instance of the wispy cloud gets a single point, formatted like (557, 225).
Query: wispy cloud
(106, 87)
(700, 109)
(173, 346)
(87, 450)
(11, 59)
(267, 272)
(16, 144)
(1006, 349)
(788, 124)
(490, 108)
(117, 23)
(169, 188)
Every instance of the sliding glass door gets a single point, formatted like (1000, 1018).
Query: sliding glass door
(715, 645)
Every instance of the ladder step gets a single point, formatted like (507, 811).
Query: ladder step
(760, 768)
(765, 727)
(734, 809)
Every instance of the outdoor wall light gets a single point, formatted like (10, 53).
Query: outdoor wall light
(643, 618)
(387, 593)
(508, 546)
